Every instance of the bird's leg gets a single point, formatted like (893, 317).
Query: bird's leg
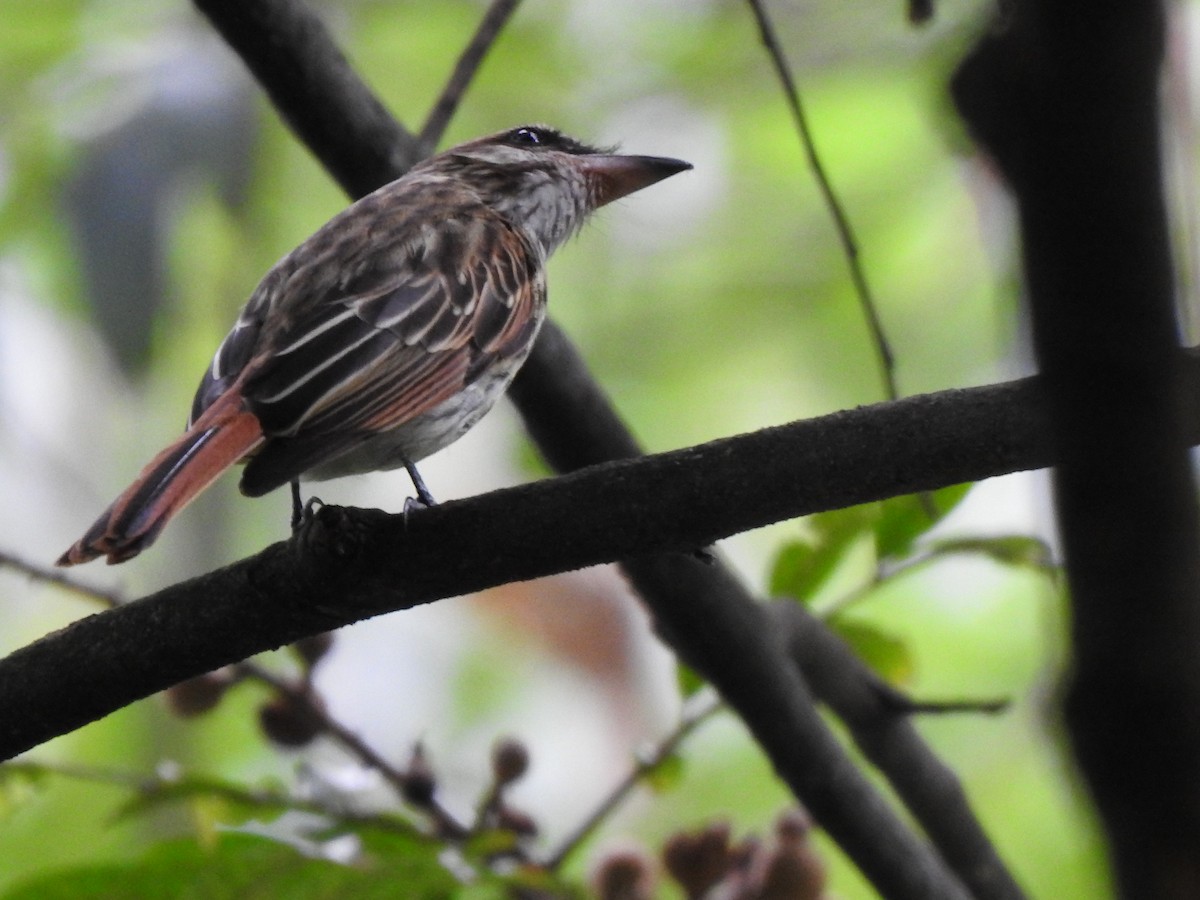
(424, 498)
(297, 505)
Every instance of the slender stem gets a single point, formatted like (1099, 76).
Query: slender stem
(57, 578)
(464, 72)
(947, 707)
(446, 823)
(699, 709)
(878, 579)
(887, 360)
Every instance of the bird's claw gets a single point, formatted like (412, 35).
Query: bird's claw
(412, 504)
(303, 511)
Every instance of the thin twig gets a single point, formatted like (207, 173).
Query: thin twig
(698, 710)
(949, 707)
(447, 824)
(887, 360)
(59, 579)
(464, 71)
(877, 580)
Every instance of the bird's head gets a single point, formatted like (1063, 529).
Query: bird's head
(546, 182)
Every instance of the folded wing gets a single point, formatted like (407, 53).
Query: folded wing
(407, 328)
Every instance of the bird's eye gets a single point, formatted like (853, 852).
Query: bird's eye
(532, 136)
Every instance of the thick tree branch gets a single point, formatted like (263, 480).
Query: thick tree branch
(350, 564)
(1065, 96)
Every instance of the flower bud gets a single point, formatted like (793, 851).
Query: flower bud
(312, 649)
(419, 781)
(291, 722)
(198, 695)
(793, 870)
(510, 760)
(624, 875)
(699, 861)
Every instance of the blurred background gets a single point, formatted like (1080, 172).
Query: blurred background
(145, 187)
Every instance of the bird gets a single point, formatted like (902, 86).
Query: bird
(387, 334)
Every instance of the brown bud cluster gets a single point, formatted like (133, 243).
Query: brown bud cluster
(785, 868)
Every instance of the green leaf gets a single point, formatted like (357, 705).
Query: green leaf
(802, 566)
(490, 842)
(237, 804)
(217, 804)
(240, 867)
(887, 654)
(1009, 550)
(840, 525)
(904, 519)
(381, 842)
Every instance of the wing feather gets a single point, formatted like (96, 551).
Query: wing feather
(401, 326)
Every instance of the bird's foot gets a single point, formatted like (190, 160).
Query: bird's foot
(303, 510)
(423, 495)
(412, 504)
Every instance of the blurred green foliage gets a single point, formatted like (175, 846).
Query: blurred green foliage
(717, 305)
(246, 866)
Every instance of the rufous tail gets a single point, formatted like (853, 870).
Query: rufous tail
(223, 435)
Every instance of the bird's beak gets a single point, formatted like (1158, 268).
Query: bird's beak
(612, 177)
